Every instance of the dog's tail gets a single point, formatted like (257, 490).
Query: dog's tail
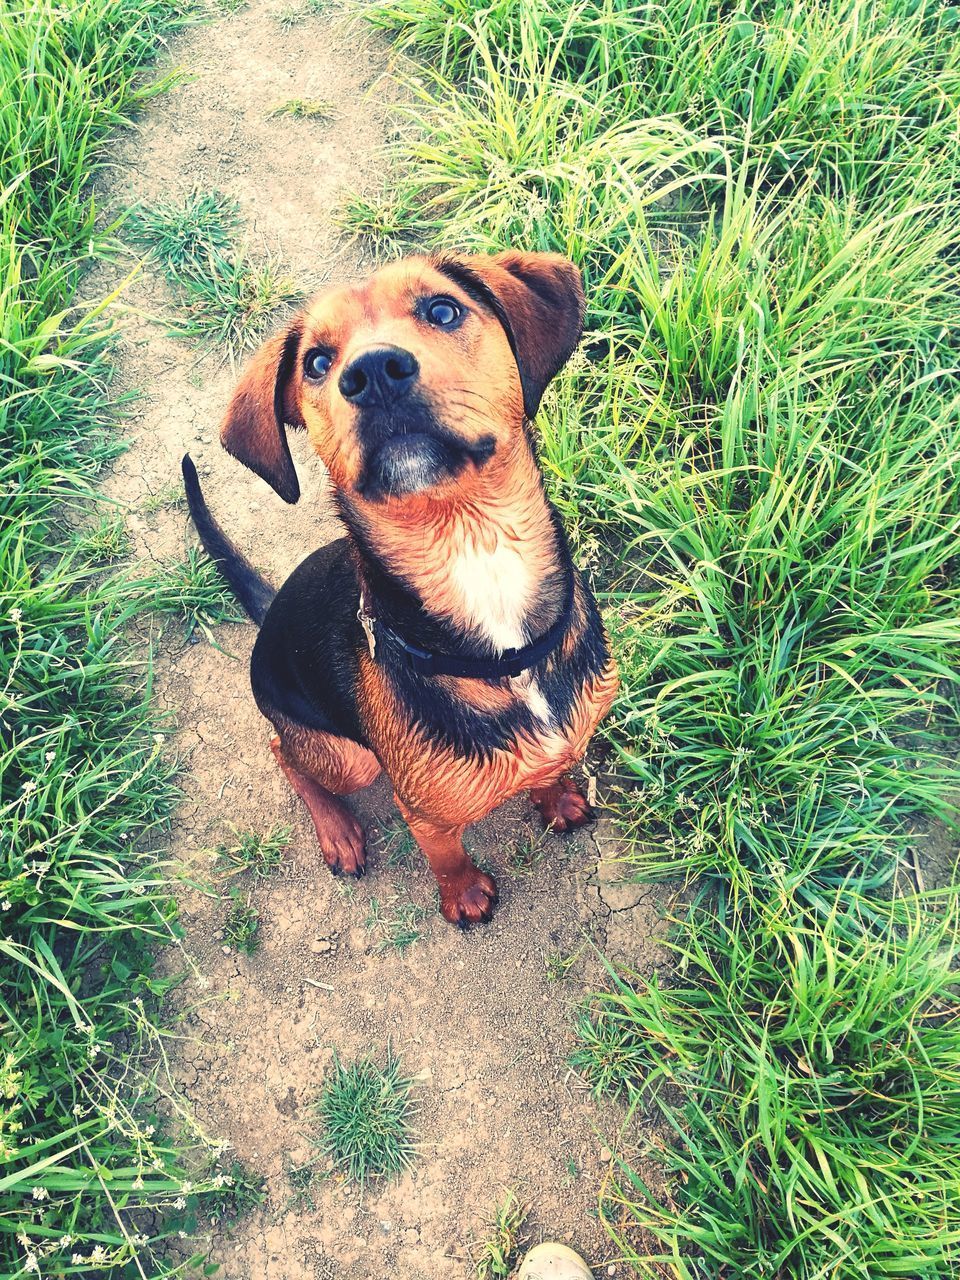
(253, 591)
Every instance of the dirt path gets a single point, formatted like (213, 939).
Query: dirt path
(475, 1017)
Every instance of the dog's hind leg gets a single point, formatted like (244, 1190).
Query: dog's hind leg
(562, 804)
(321, 767)
(467, 894)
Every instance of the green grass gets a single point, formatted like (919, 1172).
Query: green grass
(252, 851)
(496, 1254)
(241, 928)
(525, 854)
(305, 109)
(91, 1177)
(170, 498)
(229, 299)
(366, 1112)
(388, 222)
(106, 542)
(815, 1062)
(181, 236)
(399, 849)
(191, 590)
(757, 451)
(397, 922)
(293, 14)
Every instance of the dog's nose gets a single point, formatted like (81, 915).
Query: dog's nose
(380, 376)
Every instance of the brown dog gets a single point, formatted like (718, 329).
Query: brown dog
(448, 639)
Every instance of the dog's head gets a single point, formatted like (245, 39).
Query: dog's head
(412, 380)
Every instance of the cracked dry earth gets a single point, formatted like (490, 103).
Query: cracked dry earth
(475, 1017)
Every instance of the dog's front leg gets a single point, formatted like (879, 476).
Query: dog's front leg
(467, 894)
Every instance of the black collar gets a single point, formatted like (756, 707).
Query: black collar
(511, 662)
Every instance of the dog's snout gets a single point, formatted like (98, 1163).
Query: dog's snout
(379, 377)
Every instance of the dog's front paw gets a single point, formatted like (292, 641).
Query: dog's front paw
(342, 844)
(563, 806)
(470, 899)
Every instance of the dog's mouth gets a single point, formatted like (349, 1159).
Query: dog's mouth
(408, 454)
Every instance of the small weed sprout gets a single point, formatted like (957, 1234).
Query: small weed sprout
(365, 1112)
(303, 1179)
(497, 1253)
(305, 109)
(242, 926)
(558, 965)
(107, 541)
(170, 498)
(295, 13)
(240, 1192)
(398, 844)
(527, 852)
(251, 851)
(398, 922)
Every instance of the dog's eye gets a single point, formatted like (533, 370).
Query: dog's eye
(443, 312)
(317, 364)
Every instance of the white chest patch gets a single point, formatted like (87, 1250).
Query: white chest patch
(495, 588)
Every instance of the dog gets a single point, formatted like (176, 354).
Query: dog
(447, 638)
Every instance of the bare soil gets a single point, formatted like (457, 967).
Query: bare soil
(478, 1018)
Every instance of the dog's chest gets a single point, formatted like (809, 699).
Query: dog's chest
(494, 590)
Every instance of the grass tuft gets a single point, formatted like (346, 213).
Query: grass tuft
(242, 926)
(305, 109)
(180, 237)
(366, 1113)
(228, 297)
(398, 922)
(252, 851)
(495, 1256)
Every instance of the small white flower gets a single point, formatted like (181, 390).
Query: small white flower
(41, 1193)
(179, 1203)
(99, 1254)
(50, 757)
(16, 614)
(187, 1188)
(65, 1242)
(30, 1263)
(77, 1260)
(138, 1183)
(6, 904)
(29, 786)
(149, 1131)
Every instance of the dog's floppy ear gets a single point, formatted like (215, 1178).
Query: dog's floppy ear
(264, 399)
(538, 298)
